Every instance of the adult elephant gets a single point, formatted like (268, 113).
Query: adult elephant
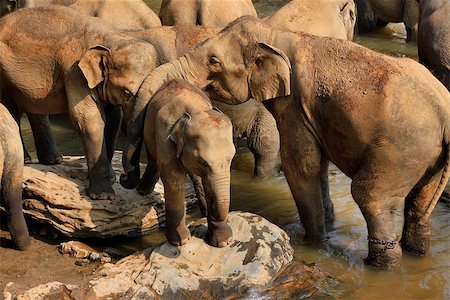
(11, 178)
(333, 101)
(121, 14)
(334, 18)
(373, 13)
(204, 12)
(434, 38)
(85, 68)
(250, 120)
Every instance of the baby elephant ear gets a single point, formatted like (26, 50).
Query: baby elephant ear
(177, 133)
(270, 76)
(93, 65)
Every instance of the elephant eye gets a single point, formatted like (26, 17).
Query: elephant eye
(214, 60)
(127, 92)
(259, 62)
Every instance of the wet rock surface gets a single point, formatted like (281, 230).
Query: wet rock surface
(57, 195)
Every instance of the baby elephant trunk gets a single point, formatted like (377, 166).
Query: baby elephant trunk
(217, 192)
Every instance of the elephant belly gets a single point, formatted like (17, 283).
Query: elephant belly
(52, 104)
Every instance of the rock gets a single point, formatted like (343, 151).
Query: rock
(51, 290)
(76, 249)
(255, 265)
(57, 195)
(198, 270)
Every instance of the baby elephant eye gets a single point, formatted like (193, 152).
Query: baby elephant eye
(127, 92)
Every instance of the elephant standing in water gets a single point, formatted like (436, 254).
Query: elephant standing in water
(434, 38)
(84, 68)
(333, 18)
(184, 134)
(336, 101)
(204, 12)
(373, 13)
(11, 175)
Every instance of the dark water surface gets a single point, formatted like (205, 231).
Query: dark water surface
(417, 278)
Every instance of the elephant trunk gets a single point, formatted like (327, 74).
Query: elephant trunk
(217, 190)
(136, 116)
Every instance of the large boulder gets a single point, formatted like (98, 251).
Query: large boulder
(256, 265)
(57, 195)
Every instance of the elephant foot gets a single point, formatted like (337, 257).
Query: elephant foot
(416, 238)
(384, 255)
(143, 190)
(23, 243)
(178, 237)
(130, 180)
(50, 159)
(27, 158)
(101, 192)
(219, 234)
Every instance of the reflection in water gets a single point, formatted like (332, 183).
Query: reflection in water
(418, 278)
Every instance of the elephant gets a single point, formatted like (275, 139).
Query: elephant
(250, 120)
(434, 38)
(84, 68)
(183, 133)
(122, 14)
(204, 12)
(383, 121)
(335, 18)
(11, 175)
(373, 13)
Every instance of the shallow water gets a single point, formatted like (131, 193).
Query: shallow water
(417, 278)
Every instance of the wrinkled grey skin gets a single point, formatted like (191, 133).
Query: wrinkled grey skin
(373, 13)
(84, 68)
(434, 38)
(250, 120)
(341, 103)
(204, 12)
(333, 18)
(184, 134)
(11, 175)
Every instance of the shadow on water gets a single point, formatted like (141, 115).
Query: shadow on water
(418, 278)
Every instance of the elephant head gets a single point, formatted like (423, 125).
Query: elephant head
(116, 73)
(230, 67)
(204, 146)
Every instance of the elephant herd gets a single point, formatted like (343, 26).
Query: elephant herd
(292, 83)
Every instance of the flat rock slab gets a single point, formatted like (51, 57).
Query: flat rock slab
(57, 195)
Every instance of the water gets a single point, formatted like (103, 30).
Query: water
(417, 278)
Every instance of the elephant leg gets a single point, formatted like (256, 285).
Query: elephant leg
(149, 179)
(416, 237)
(16, 113)
(264, 142)
(46, 149)
(200, 192)
(325, 191)
(114, 115)
(378, 201)
(301, 162)
(173, 179)
(12, 196)
(411, 20)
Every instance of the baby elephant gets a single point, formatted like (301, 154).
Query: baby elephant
(184, 134)
(11, 174)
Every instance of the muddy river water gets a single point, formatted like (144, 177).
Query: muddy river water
(418, 278)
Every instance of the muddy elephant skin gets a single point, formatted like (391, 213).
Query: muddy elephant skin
(363, 116)
(183, 134)
(334, 18)
(55, 60)
(204, 12)
(11, 175)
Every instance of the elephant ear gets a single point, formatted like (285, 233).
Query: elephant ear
(270, 76)
(93, 65)
(176, 134)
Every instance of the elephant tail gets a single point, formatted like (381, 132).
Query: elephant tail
(442, 183)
